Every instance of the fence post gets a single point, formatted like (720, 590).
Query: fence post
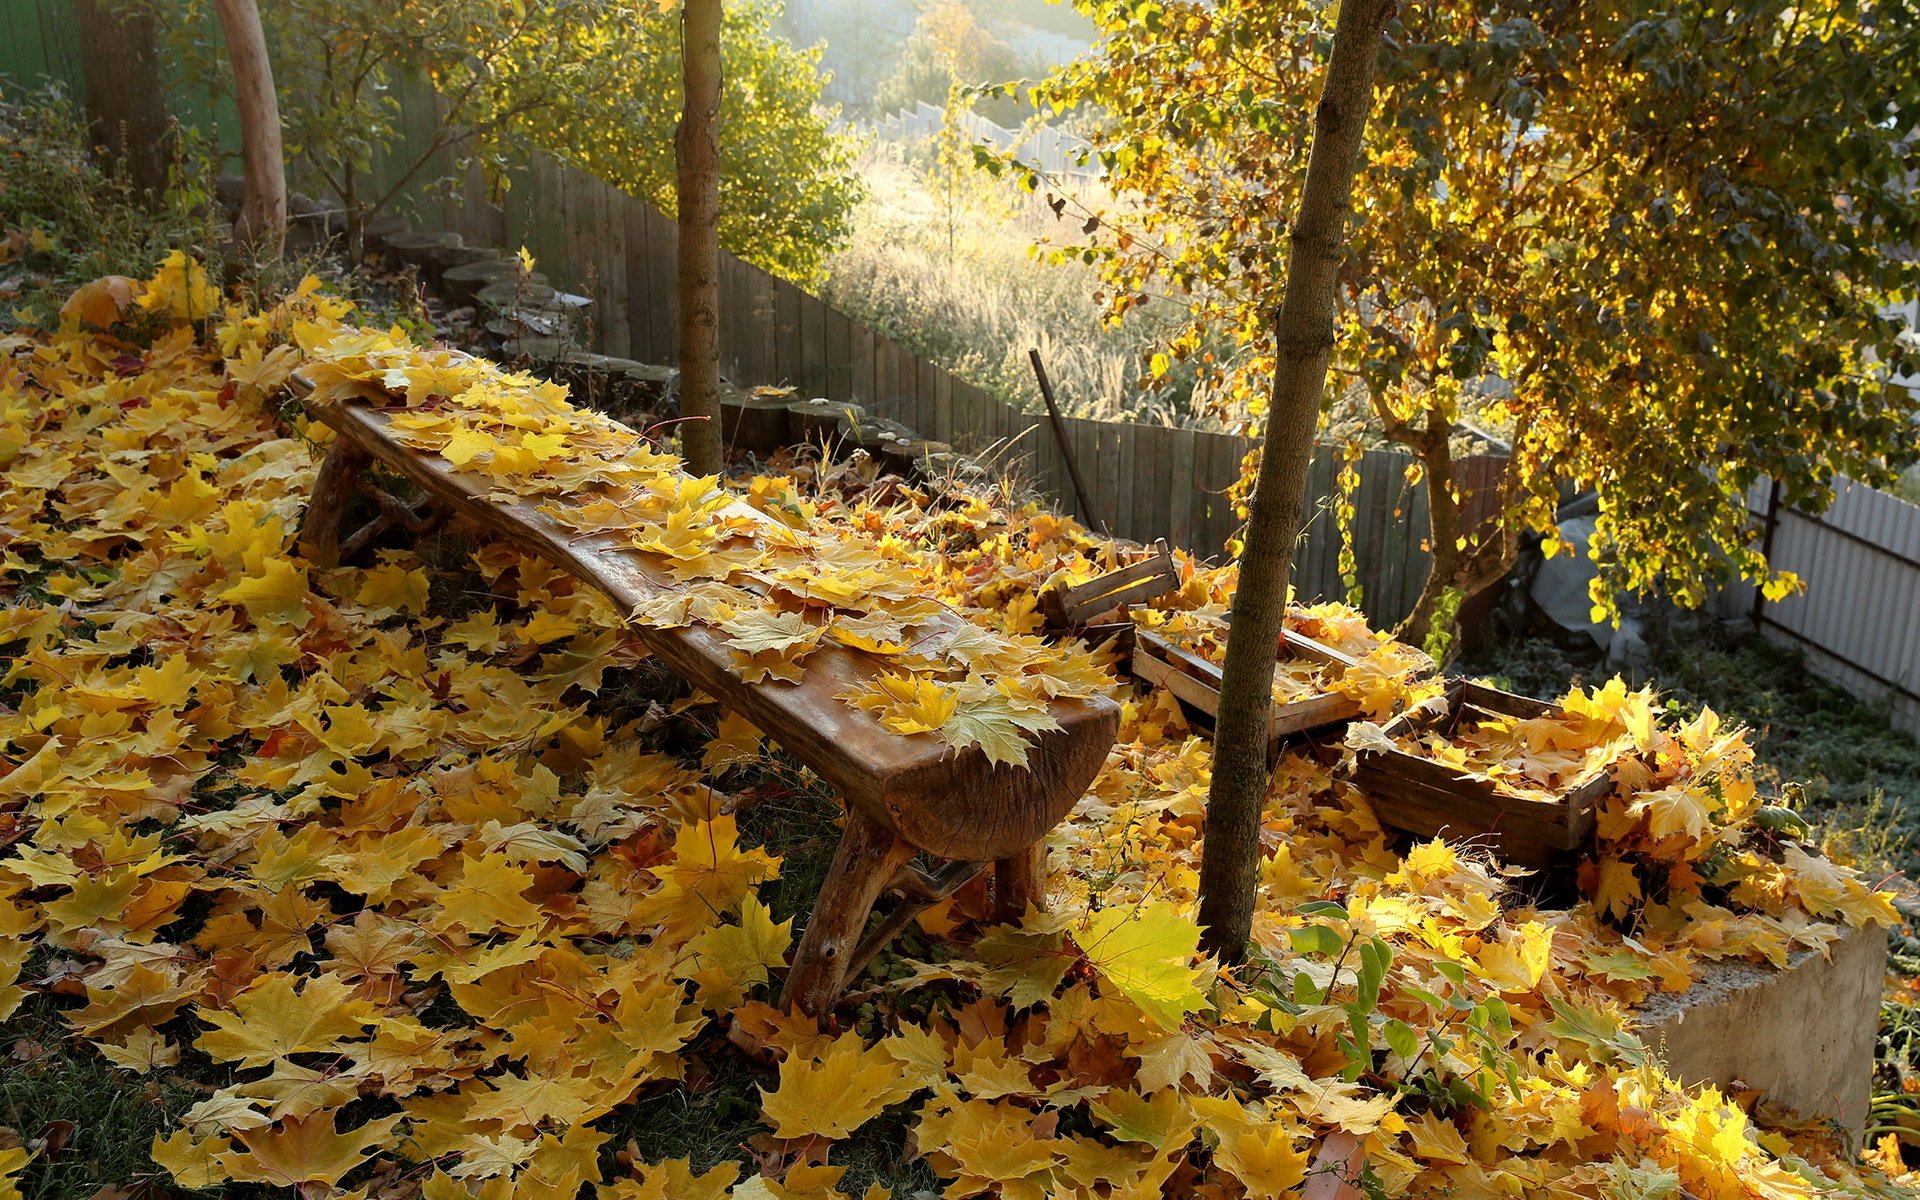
(1766, 550)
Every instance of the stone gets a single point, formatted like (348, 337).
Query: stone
(1804, 1036)
(508, 295)
(419, 249)
(919, 458)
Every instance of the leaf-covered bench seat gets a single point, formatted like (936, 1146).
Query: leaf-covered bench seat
(943, 736)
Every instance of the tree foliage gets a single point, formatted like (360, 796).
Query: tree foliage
(594, 84)
(953, 42)
(1650, 244)
(787, 187)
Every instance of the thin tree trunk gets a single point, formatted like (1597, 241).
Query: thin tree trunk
(1303, 338)
(262, 229)
(127, 119)
(697, 159)
(1457, 573)
(1443, 542)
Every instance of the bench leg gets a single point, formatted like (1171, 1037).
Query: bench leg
(1020, 881)
(332, 489)
(868, 856)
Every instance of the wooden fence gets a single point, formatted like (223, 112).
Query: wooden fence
(1145, 481)
(1859, 619)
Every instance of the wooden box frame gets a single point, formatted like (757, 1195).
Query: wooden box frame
(1197, 681)
(1425, 797)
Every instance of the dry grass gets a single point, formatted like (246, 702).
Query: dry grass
(941, 262)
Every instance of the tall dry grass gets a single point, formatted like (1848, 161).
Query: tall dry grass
(940, 261)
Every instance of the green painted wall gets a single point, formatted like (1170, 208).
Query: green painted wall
(40, 44)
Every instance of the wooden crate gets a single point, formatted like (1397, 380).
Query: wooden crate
(1428, 798)
(1197, 682)
(1071, 609)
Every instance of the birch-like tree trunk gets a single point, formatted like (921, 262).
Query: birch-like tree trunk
(262, 229)
(1303, 341)
(697, 163)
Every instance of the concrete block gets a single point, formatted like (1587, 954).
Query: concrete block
(1804, 1035)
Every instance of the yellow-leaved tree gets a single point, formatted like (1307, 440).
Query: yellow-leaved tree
(1649, 245)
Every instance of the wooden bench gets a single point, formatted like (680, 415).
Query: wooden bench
(904, 794)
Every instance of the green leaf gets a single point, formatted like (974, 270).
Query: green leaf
(1375, 958)
(1331, 909)
(1400, 1038)
(1317, 939)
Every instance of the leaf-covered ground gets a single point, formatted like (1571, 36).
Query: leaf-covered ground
(411, 876)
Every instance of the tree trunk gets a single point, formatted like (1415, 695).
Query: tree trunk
(1303, 339)
(127, 119)
(262, 229)
(1457, 573)
(697, 160)
(1443, 542)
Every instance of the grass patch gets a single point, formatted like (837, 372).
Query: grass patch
(940, 261)
(46, 1079)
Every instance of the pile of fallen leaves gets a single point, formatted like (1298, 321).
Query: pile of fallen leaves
(368, 870)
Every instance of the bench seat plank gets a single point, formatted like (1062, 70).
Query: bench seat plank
(950, 803)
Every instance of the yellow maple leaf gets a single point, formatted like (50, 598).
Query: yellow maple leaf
(1165, 1118)
(13, 1160)
(488, 896)
(1437, 1139)
(194, 1164)
(674, 1179)
(1265, 1157)
(1146, 951)
(13, 956)
(905, 704)
(1617, 889)
(726, 960)
(271, 1019)
(304, 1150)
(1519, 961)
(708, 878)
(276, 593)
(835, 1093)
(392, 589)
